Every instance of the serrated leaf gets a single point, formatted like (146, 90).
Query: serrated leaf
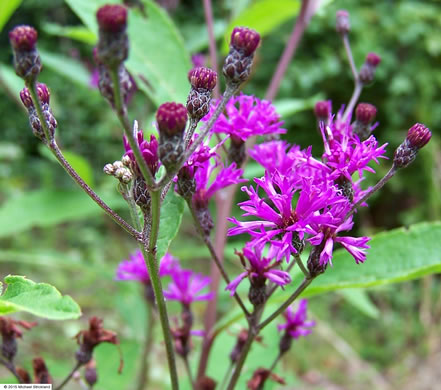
(263, 16)
(172, 209)
(158, 59)
(40, 299)
(395, 256)
(48, 207)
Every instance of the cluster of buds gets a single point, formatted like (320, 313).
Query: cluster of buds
(237, 66)
(171, 119)
(27, 61)
(367, 71)
(364, 117)
(120, 170)
(202, 80)
(44, 97)
(417, 137)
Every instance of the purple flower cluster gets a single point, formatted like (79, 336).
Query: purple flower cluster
(247, 116)
(186, 286)
(302, 199)
(149, 151)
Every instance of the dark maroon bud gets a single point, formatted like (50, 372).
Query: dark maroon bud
(367, 71)
(198, 103)
(205, 219)
(343, 25)
(202, 78)
(27, 62)
(245, 39)
(112, 18)
(141, 194)
(257, 292)
(418, 136)
(171, 119)
(23, 375)
(23, 38)
(365, 113)
(240, 343)
(260, 376)
(10, 331)
(206, 383)
(237, 151)
(41, 373)
(113, 43)
(285, 343)
(315, 268)
(322, 110)
(90, 374)
(26, 99)
(186, 183)
(43, 93)
(373, 59)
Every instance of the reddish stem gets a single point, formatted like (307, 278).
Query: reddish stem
(306, 11)
(212, 42)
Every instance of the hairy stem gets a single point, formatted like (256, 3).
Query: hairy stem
(121, 113)
(69, 376)
(290, 49)
(74, 175)
(306, 282)
(211, 41)
(299, 262)
(144, 374)
(348, 50)
(153, 268)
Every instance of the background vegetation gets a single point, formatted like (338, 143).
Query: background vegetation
(49, 231)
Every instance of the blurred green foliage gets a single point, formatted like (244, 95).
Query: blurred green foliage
(84, 252)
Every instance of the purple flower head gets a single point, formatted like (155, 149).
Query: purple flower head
(198, 60)
(224, 177)
(186, 287)
(277, 220)
(149, 151)
(326, 235)
(247, 116)
(296, 324)
(259, 268)
(135, 268)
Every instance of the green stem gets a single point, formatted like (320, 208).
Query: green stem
(306, 282)
(153, 268)
(189, 373)
(69, 376)
(301, 265)
(122, 116)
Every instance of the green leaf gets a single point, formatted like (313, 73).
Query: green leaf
(7, 8)
(10, 80)
(48, 207)
(67, 67)
(263, 16)
(157, 58)
(77, 33)
(360, 300)
(40, 299)
(171, 216)
(395, 256)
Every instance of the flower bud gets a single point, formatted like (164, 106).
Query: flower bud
(314, 265)
(90, 374)
(367, 71)
(41, 373)
(245, 39)
(237, 66)
(417, 137)
(342, 25)
(43, 93)
(23, 375)
(171, 119)
(27, 61)
(206, 383)
(112, 18)
(201, 77)
(26, 98)
(365, 113)
(141, 194)
(322, 110)
(113, 44)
